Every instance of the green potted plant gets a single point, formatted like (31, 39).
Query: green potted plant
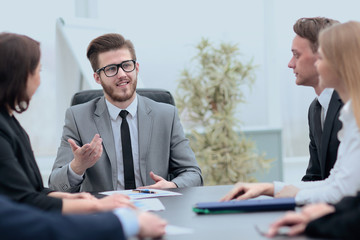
(207, 97)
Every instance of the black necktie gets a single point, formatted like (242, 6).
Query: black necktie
(129, 176)
(317, 120)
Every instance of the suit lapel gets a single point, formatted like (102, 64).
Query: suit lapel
(145, 124)
(103, 124)
(333, 110)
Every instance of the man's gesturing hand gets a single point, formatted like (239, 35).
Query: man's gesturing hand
(87, 155)
(159, 182)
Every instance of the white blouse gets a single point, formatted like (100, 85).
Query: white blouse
(344, 178)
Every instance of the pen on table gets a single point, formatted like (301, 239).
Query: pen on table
(143, 191)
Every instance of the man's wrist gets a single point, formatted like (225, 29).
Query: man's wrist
(175, 185)
(76, 168)
(269, 189)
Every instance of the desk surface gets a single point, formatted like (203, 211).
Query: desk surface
(178, 212)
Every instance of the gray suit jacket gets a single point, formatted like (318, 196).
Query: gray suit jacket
(163, 147)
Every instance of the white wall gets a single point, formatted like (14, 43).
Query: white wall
(165, 34)
(296, 99)
(37, 19)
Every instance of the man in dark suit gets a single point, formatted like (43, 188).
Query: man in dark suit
(323, 145)
(323, 113)
(19, 221)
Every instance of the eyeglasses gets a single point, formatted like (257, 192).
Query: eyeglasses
(112, 69)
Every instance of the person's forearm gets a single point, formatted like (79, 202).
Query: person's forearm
(188, 178)
(58, 194)
(268, 189)
(80, 206)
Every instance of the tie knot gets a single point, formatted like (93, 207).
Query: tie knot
(123, 114)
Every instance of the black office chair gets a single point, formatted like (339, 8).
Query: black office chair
(158, 95)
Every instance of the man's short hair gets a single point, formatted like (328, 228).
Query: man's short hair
(309, 28)
(105, 43)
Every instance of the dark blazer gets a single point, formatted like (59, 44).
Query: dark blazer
(20, 177)
(18, 222)
(342, 224)
(323, 150)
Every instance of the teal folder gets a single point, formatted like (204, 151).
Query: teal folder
(251, 205)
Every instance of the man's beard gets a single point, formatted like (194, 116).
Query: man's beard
(119, 97)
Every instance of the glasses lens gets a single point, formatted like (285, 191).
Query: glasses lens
(110, 70)
(128, 66)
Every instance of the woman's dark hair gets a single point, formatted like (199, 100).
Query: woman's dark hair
(19, 57)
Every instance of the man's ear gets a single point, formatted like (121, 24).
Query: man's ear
(97, 78)
(137, 67)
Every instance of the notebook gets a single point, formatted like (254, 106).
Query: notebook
(251, 205)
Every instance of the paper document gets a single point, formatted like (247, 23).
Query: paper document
(144, 193)
(175, 230)
(150, 204)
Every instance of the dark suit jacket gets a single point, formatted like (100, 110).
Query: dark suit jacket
(20, 177)
(19, 222)
(323, 151)
(342, 224)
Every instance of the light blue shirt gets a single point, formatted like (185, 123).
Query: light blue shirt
(129, 221)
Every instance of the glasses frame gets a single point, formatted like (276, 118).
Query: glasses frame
(120, 65)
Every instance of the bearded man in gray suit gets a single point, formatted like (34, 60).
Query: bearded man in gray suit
(90, 157)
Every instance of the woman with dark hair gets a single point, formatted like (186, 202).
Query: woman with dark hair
(20, 177)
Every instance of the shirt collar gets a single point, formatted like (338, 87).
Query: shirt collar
(325, 97)
(114, 111)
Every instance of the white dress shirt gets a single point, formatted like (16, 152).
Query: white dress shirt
(116, 120)
(344, 178)
(324, 100)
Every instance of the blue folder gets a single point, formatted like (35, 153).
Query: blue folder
(251, 205)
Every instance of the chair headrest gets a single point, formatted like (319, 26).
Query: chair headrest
(156, 94)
